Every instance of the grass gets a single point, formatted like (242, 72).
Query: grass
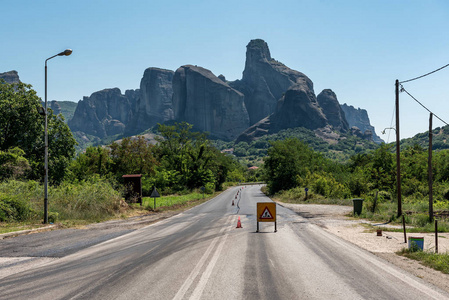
(435, 261)
(174, 202)
(12, 227)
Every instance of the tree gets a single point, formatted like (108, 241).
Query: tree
(287, 161)
(190, 157)
(132, 156)
(95, 160)
(22, 126)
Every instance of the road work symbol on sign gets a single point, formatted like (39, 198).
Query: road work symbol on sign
(266, 214)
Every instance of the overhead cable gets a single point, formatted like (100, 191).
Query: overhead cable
(404, 90)
(425, 74)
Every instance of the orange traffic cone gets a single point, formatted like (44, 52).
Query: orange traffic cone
(239, 224)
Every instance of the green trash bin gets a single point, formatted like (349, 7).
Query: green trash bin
(358, 204)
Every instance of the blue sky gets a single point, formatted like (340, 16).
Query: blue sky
(356, 48)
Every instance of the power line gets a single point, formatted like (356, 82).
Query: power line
(425, 74)
(404, 90)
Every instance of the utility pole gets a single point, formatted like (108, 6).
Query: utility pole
(398, 154)
(430, 170)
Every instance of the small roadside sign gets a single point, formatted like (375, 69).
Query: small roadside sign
(154, 193)
(266, 212)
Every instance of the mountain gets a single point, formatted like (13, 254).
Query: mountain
(207, 102)
(10, 77)
(335, 115)
(154, 101)
(269, 97)
(359, 118)
(104, 113)
(265, 81)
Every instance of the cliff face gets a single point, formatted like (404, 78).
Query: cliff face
(332, 110)
(207, 102)
(104, 113)
(10, 77)
(269, 97)
(153, 102)
(359, 118)
(265, 80)
(297, 108)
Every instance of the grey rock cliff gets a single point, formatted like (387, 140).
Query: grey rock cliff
(102, 114)
(265, 80)
(359, 118)
(153, 102)
(298, 108)
(10, 77)
(204, 100)
(332, 110)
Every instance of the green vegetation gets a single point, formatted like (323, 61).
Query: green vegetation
(22, 138)
(438, 262)
(89, 188)
(86, 201)
(174, 201)
(67, 109)
(341, 150)
(291, 166)
(439, 139)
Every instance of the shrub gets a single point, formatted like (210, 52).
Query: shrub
(12, 209)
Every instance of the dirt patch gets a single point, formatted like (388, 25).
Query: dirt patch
(336, 220)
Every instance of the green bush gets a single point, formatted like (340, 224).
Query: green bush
(12, 209)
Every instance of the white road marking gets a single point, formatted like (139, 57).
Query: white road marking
(206, 275)
(186, 285)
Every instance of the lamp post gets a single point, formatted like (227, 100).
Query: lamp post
(66, 52)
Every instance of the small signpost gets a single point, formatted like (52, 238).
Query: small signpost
(266, 212)
(202, 190)
(154, 194)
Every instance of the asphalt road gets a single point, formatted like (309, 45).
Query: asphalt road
(200, 254)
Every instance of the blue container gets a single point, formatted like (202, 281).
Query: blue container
(416, 243)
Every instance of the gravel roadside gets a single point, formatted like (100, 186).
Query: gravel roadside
(335, 219)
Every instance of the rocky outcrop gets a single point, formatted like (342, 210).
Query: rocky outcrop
(359, 118)
(10, 77)
(297, 108)
(54, 105)
(104, 113)
(332, 110)
(153, 102)
(211, 105)
(265, 80)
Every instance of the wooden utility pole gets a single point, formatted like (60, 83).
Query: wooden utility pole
(430, 170)
(398, 154)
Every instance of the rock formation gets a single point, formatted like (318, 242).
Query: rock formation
(359, 118)
(297, 108)
(211, 105)
(154, 102)
(104, 113)
(332, 110)
(10, 77)
(265, 80)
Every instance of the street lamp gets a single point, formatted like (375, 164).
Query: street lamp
(66, 52)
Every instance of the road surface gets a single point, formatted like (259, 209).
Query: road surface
(200, 254)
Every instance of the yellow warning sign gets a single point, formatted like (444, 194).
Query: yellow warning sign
(266, 212)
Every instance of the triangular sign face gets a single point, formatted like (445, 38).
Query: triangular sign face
(155, 194)
(266, 214)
